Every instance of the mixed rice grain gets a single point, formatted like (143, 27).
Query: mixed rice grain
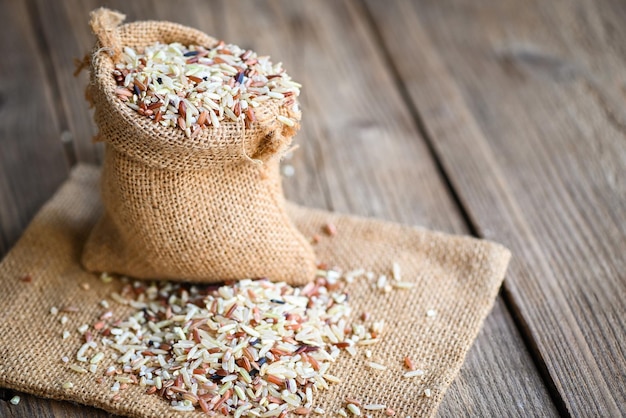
(192, 87)
(251, 348)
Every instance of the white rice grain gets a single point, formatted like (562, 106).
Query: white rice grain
(414, 373)
(376, 366)
(374, 407)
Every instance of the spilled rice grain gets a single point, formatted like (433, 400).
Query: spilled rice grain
(251, 348)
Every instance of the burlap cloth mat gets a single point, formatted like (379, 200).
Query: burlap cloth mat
(458, 277)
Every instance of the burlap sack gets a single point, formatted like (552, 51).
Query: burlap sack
(459, 277)
(195, 209)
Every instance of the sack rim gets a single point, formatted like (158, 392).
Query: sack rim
(232, 141)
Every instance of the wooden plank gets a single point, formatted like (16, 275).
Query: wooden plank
(67, 34)
(32, 161)
(360, 150)
(524, 106)
(31, 406)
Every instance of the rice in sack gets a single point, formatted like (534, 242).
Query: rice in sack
(194, 130)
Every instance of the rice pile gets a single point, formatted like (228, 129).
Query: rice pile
(251, 348)
(191, 87)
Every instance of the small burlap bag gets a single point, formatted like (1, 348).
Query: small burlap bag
(458, 277)
(206, 208)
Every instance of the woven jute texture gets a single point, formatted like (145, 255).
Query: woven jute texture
(206, 208)
(458, 277)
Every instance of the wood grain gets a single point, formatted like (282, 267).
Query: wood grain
(31, 406)
(360, 150)
(67, 33)
(524, 107)
(32, 161)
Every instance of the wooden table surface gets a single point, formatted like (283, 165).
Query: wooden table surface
(502, 119)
